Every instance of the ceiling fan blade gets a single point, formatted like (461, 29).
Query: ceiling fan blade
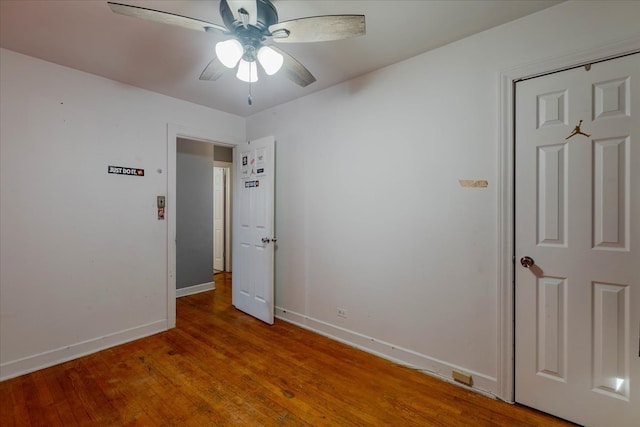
(295, 71)
(165, 18)
(318, 29)
(250, 6)
(213, 70)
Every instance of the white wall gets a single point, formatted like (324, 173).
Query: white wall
(370, 214)
(83, 259)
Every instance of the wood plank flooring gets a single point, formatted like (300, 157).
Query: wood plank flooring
(220, 367)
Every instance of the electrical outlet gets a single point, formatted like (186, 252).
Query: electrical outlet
(342, 312)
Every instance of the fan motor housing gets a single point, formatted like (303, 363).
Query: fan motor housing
(267, 15)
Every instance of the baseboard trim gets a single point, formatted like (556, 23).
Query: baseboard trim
(195, 289)
(49, 358)
(482, 383)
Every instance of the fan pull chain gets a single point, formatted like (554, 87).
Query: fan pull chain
(250, 99)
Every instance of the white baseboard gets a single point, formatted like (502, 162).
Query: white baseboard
(195, 289)
(28, 364)
(483, 384)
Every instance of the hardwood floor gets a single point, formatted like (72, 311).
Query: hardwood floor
(220, 367)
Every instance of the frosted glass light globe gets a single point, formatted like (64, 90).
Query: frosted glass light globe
(247, 71)
(229, 52)
(270, 60)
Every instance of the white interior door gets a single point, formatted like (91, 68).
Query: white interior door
(577, 217)
(253, 237)
(219, 207)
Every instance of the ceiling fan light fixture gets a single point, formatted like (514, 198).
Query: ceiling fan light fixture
(229, 52)
(247, 26)
(247, 71)
(270, 60)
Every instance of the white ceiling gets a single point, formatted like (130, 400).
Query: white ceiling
(87, 36)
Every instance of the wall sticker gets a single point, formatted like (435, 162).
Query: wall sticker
(121, 170)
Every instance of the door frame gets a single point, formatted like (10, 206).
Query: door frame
(175, 131)
(506, 200)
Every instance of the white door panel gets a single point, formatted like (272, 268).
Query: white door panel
(577, 215)
(254, 238)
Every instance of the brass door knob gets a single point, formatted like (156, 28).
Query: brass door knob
(527, 261)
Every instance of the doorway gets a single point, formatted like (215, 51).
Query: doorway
(194, 216)
(576, 275)
(203, 207)
(173, 133)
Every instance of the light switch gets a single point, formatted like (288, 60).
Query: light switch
(160, 208)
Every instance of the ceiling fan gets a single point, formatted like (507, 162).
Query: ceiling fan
(252, 28)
